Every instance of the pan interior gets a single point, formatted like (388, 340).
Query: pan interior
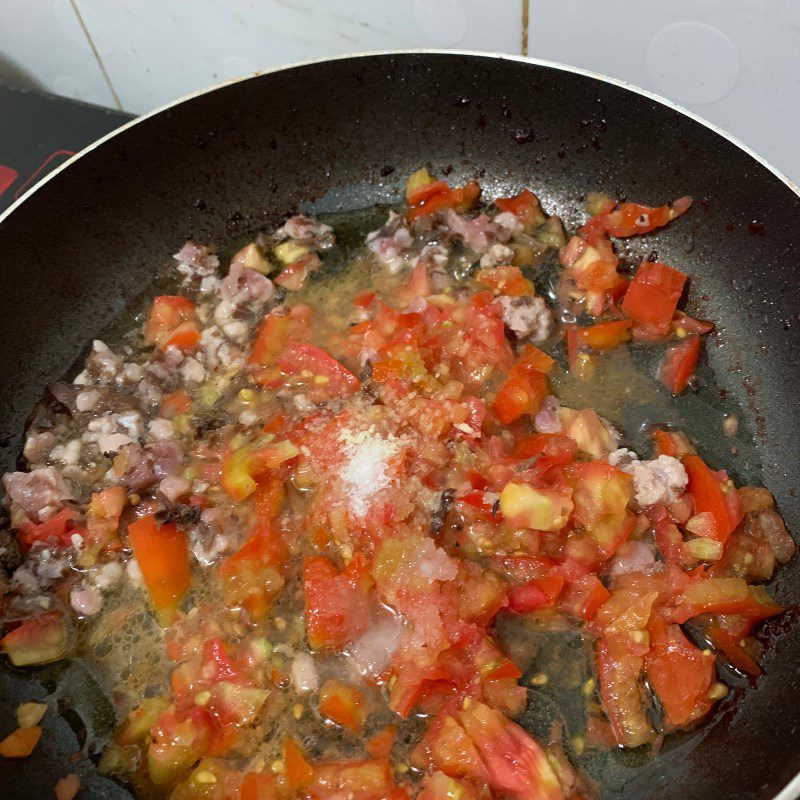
(341, 136)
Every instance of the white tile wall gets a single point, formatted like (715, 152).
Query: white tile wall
(735, 62)
(157, 50)
(44, 39)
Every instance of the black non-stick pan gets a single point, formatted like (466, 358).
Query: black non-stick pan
(343, 134)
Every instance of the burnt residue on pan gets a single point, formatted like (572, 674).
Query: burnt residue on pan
(83, 247)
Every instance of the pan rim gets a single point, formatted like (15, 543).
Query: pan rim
(792, 788)
(488, 55)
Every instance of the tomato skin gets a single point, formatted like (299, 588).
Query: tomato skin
(163, 556)
(619, 690)
(680, 674)
(517, 765)
(539, 592)
(653, 295)
(679, 364)
(725, 596)
(729, 646)
(712, 496)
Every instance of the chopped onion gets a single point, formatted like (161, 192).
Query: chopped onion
(304, 673)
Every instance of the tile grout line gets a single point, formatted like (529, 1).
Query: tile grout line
(97, 55)
(525, 17)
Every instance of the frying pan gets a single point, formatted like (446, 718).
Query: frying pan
(343, 134)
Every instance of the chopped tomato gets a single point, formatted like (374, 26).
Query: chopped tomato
(730, 647)
(37, 640)
(603, 335)
(56, 531)
(176, 403)
(179, 740)
(258, 786)
(633, 219)
(370, 779)
(524, 205)
(600, 495)
(679, 364)
(520, 395)
(172, 323)
(461, 199)
(241, 468)
(584, 596)
(653, 295)
(21, 742)
(162, 554)
(275, 331)
(336, 602)
(297, 769)
(342, 704)
(672, 443)
(725, 596)
(317, 367)
(531, 358)
(715, 495)
(620, 691)
(680, 674)
(505, 280)
(517, 765)
(538, 509)
(539, 592)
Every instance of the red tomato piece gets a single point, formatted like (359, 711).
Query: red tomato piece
(713, 495)
(619, 689)
(540, 591)
(653, 295)
(505, 280)
(679, 364)
(520, 395)
(584, 597)
(37, 640)
(680, 675)
(336, 602)
(459, 199)
(342, 704)
(167, 315)
(729, 646)
(299, 357)
(517, 765)
(524, 205)
(604, 335)
(632, 219)
(258, 786)
(725, 596)
(298, 771)
(56, 531)
(163, 557)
